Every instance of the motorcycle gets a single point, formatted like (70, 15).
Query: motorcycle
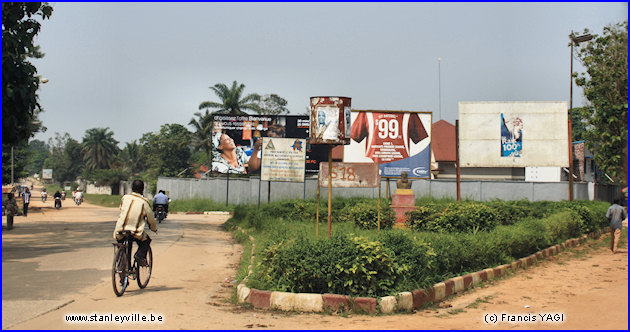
(160, 213)
(78, 201)
(57, 203)
(44, 196)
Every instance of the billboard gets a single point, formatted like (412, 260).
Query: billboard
(283, 159)
(330, 120)
(513, 134)
(47, 173)
(234, 141)
(399, 141)
(350, 175)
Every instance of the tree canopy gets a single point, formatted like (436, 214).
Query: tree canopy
(20, 103)
(272, 104)
(232, 100)
(605, 85)
(99, 148)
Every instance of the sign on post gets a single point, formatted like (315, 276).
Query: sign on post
(283, 159)
(47, 173)
(350, 175)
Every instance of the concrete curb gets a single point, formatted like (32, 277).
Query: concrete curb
(404, 301)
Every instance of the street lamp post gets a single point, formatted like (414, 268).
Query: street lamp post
(575, 40)
(440, 86)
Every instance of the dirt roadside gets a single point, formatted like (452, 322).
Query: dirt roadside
(191, 288)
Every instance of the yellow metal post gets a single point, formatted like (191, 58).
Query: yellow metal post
(329, 189)
(379, 205)
(317, 209)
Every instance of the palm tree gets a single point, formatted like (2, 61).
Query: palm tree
(231, 102)
(99, 148)
(202, 135)
(131, 157)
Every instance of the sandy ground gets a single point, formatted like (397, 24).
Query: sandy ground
(195, 262)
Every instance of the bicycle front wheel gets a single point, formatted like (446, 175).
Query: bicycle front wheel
(120, 279)
(144, 272)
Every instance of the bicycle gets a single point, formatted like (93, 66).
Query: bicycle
(123, 269)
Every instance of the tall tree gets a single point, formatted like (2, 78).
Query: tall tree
(272, 105)
(99, 148)
(20, 103)
(168, 152)
(202, 134)
(232, 100)
(38, 151)
(66, 159)
(132, 159)
(605, 85)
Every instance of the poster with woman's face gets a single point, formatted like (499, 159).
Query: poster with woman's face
(245, 130)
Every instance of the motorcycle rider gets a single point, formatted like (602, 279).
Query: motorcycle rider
(161, 199)
(44, 195)
(78, 197)
(63, 195)
(57, 198)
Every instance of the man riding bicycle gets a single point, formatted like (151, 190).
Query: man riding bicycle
(135, 210)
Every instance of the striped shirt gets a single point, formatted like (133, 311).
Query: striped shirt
(134, 211)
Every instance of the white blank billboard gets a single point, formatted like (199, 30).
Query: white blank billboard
(540, 136)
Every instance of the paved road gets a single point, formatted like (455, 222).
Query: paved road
(53, 256)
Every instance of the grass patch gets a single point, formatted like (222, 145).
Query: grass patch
(198, 205)
(101, 200)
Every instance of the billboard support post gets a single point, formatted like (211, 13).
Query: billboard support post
(459, 196)
(329, 189)
(227, 192)
(259, 182)
(317, 210)
(379, 204)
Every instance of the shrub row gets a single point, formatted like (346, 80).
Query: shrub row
(400, 260)
(475, 216)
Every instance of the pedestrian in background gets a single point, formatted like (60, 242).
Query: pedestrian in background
(616, 214)
(11, 209)
(26, 198)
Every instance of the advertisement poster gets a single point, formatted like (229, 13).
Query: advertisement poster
(283, 159)
(234, 140)
(399, 141)
(511, 135)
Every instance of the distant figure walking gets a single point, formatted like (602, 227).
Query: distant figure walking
(11, 209)
(616, 214)
(26, 198)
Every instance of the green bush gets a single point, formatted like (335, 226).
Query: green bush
(365, 215)
(456, 217)
(344, 264)
(415, 256)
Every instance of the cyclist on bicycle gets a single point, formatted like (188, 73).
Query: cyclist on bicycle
(134, 211)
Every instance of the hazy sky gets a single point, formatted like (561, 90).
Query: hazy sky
(135, 66)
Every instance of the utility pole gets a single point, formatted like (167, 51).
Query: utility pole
(440, 86)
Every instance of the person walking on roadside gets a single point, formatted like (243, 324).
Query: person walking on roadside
(11, 209)
(616, 214)
(26, 198)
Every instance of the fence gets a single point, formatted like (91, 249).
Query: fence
(247, 190)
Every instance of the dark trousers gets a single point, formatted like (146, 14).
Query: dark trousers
(25, 210)
(143, 246)
(9, 222)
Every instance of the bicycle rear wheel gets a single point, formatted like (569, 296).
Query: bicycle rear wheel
(144, 272)
(120, 279)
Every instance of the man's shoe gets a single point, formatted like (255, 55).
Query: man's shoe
(141, 261)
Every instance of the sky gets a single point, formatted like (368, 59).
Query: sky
(133, 67)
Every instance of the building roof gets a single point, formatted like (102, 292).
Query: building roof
(443, 141)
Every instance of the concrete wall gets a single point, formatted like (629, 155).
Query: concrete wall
(246, 190)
